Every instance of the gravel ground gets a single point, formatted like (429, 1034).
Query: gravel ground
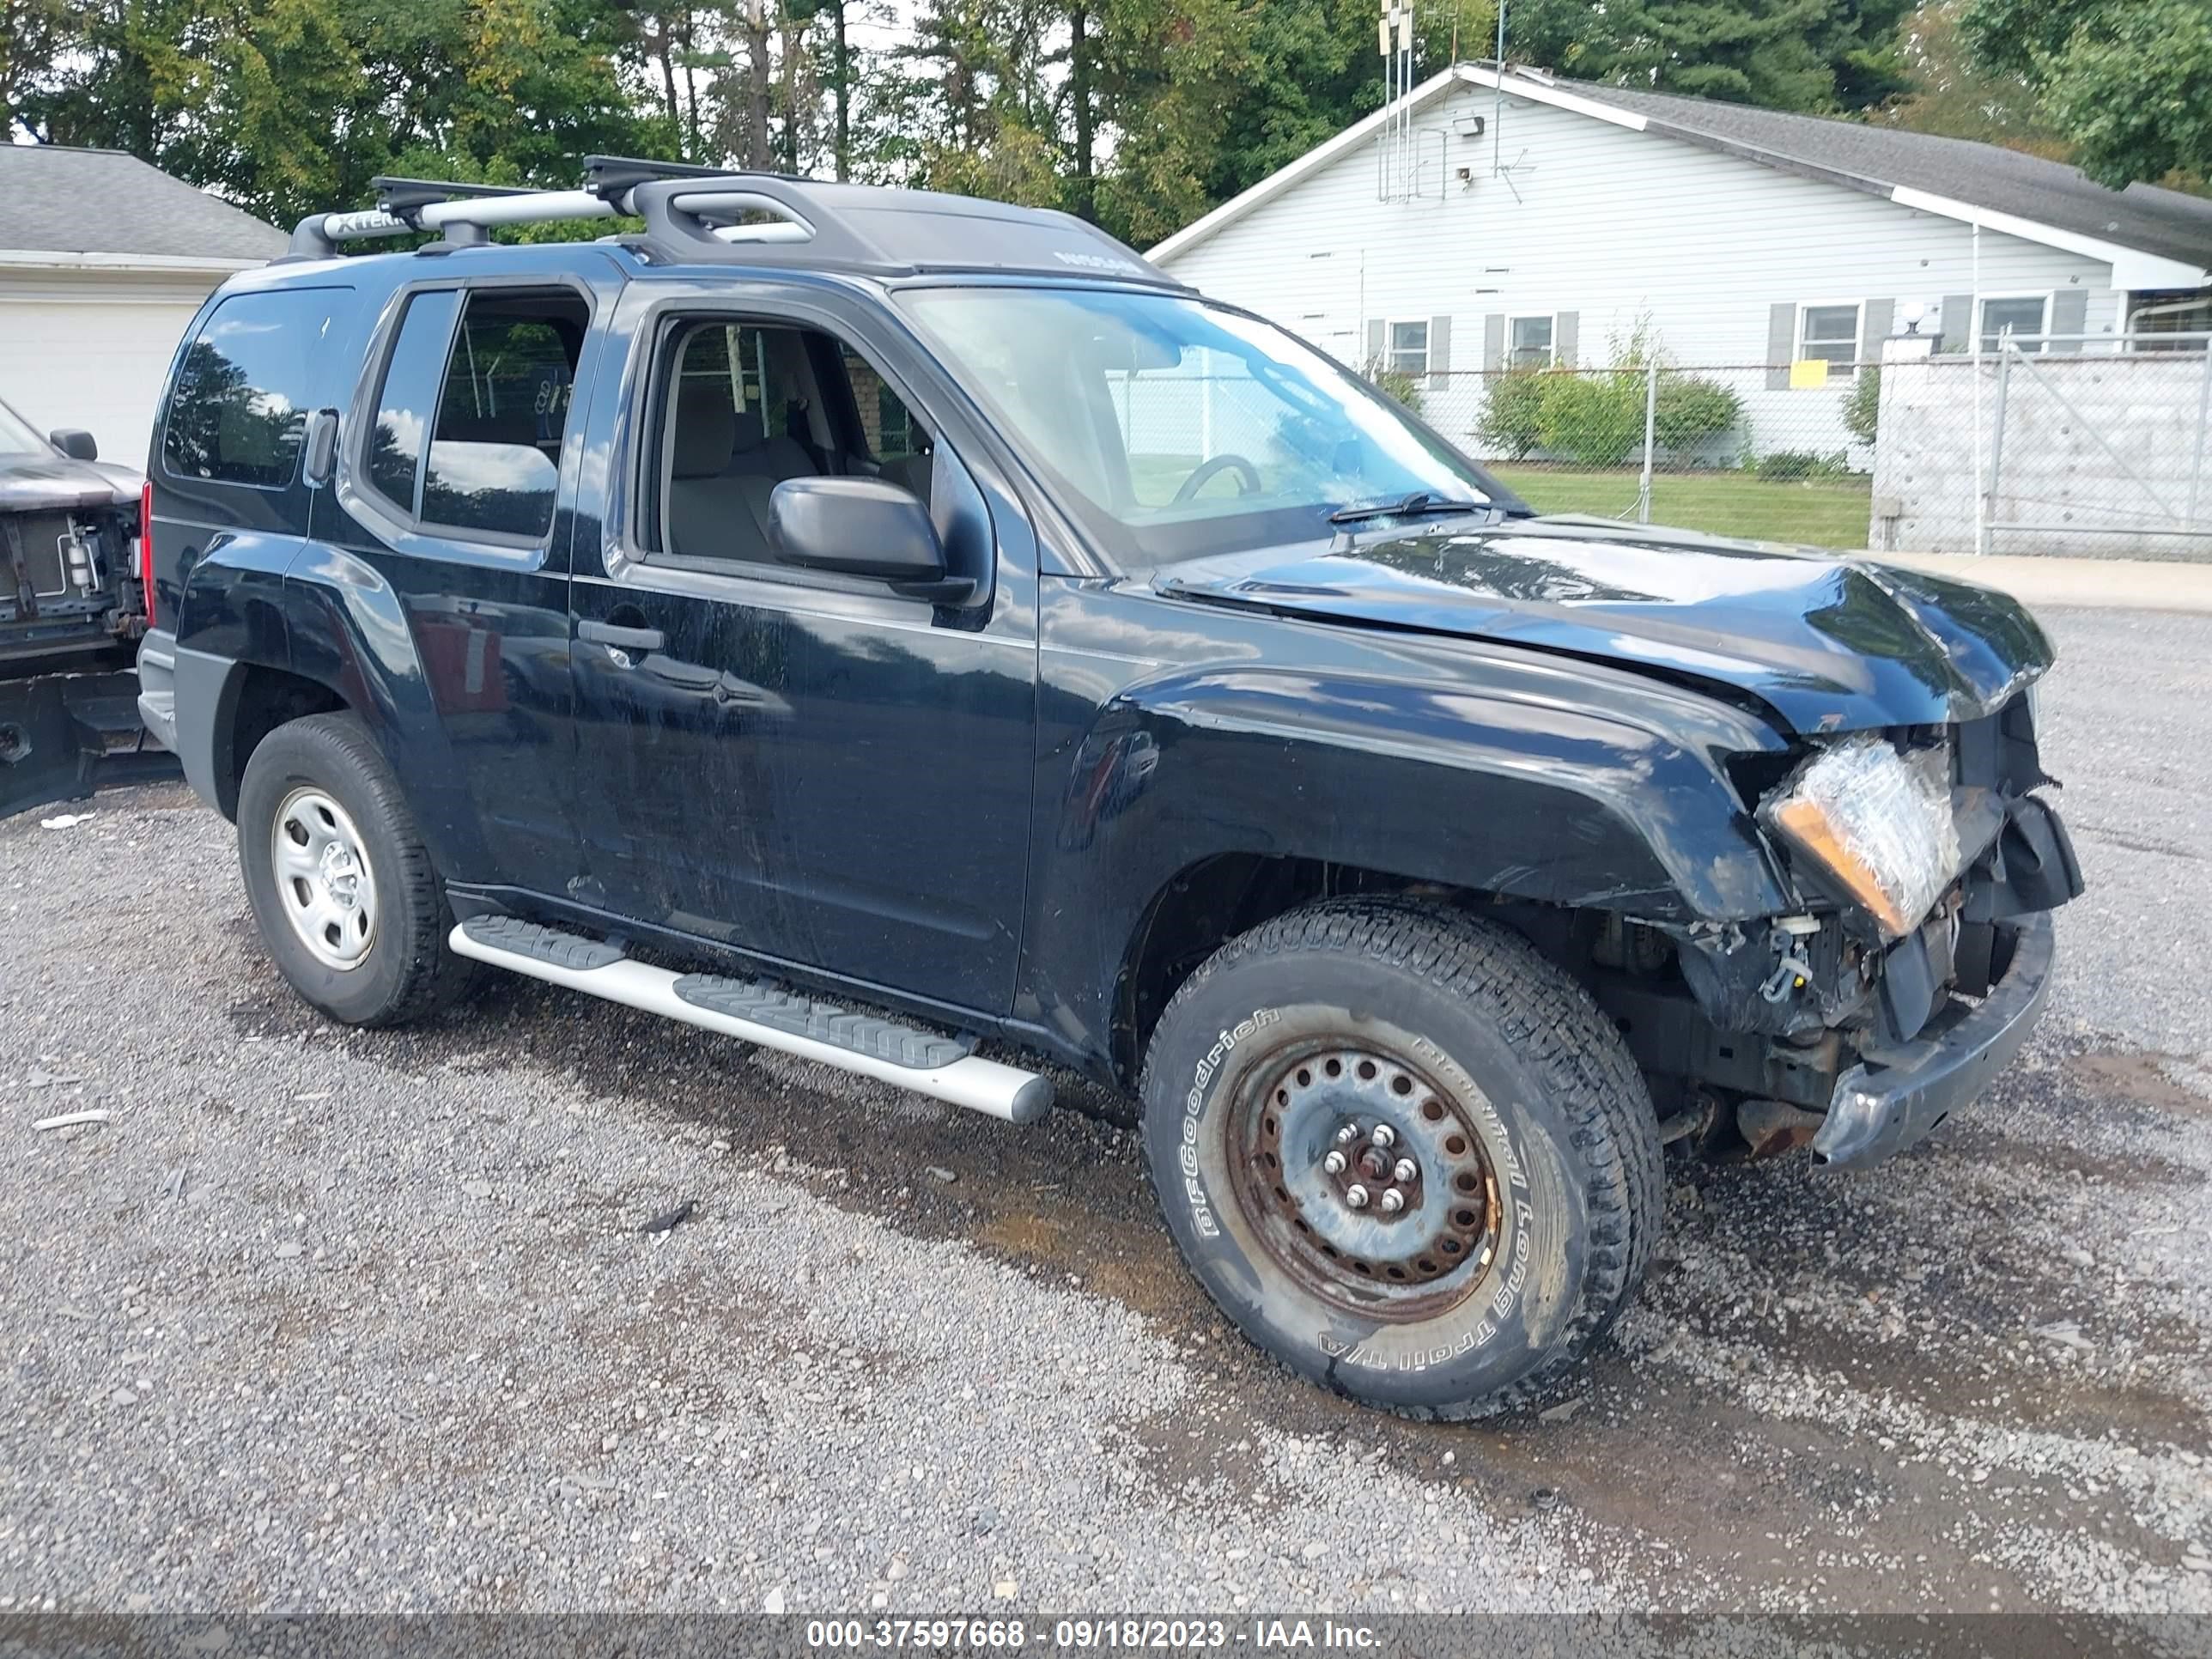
(332, 1320)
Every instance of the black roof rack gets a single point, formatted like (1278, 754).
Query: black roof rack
(709, 214)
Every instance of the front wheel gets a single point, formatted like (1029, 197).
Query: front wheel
(1405, 1154)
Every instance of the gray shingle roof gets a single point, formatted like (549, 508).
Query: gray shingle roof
(56, 199)
(2142, 216)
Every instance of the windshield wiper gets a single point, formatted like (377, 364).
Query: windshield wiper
(1420, 502)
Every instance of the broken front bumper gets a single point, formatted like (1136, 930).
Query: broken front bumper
(1890, 1100)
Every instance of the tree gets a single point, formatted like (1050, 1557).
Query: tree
(1953, 96)
(1807, 55)
(2127, 83)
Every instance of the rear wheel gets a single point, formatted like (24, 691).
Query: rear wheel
(1405, 1154)
(342, 886)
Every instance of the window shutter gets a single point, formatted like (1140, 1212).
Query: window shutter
(1957, 323)
(1566, 335)
(1439, 349)
(2069, 314)
(1874, 324)
(1494, 342)
(1781, 344)
(1377, 334)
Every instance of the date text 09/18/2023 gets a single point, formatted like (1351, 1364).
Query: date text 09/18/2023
(1125, 1633)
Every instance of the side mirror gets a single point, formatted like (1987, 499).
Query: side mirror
(75, 442)
(862, 527)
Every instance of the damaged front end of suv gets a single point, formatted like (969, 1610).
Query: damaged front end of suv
(1915, 970)
(72, 612)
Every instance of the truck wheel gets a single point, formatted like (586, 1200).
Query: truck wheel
(1408, 1156)
(341, 885)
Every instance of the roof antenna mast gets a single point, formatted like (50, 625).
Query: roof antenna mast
(1497, 98)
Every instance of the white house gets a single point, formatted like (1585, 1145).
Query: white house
(1485, 222)
(103, 260)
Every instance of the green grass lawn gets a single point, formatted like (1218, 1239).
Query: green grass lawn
(1831, 512)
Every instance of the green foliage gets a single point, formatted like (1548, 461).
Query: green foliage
(287, 105)
(1954, 96)
(1592, 420)
(1780, 54)
(1401, 386)
(2127, 83)
(1800, 466)
(1595, 418)
(1512, 410)
(1690, 409)
(1862, 409)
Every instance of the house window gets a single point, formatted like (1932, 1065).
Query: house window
(2169, 310)
(1529, 343)
(1408, 347)
(2015, 314)
(1832, 333)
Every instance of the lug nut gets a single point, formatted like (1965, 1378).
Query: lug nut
(1348, 1134)
(1334, 1163)
(1384, 1135)
(1393, 1200)
(1404, 1169)
(1356, 1196)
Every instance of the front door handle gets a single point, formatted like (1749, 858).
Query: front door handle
(621, 638)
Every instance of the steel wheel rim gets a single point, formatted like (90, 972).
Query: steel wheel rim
(1290, 1110)
(325, 885)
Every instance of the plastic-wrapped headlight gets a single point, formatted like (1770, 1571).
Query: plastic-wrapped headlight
(1878, 822)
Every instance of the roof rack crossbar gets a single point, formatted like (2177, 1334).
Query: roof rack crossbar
(615, 175)
(462, 214)
(401, 195)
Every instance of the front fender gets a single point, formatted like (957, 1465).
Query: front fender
(1583, 787)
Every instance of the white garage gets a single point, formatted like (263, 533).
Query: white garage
(103, 260)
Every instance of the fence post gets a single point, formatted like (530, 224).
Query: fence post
(1650, 421)
(2006, 351)
(2204, 435)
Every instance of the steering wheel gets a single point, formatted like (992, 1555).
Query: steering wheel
(1247, 474)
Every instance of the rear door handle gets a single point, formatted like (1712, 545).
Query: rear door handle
(614, 633)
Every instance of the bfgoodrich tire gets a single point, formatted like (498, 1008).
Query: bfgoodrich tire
(1438, 1058)
(343, 889)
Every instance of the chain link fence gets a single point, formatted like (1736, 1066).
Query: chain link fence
(1734, 449)
(2073, 445)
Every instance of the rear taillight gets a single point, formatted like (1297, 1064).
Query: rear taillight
(146, 548)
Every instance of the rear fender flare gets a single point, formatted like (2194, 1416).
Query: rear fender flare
(351, 631)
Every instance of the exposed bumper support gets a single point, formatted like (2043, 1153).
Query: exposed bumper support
(1880, 1109)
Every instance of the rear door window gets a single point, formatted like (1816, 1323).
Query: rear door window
(238, 411)
(469, 418)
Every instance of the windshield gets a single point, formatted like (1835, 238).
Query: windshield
(18, 436)
(1177, 430)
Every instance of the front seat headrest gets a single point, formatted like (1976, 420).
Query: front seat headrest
(706, 430)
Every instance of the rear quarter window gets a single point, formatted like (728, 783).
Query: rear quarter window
(238, 411)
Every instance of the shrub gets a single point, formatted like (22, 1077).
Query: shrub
(1512, 408)
(1690, 411)
(1800, 465)
(1396, 384)
(1592, 420)
(1862, 409)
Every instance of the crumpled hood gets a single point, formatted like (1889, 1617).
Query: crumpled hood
(54, 483)
(1831, 644)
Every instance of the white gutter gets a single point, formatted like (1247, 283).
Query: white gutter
(2131, 268)
(159, 264)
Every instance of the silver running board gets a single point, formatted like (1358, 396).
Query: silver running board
(851, 1043)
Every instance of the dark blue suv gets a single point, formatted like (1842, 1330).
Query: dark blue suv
(872, 624)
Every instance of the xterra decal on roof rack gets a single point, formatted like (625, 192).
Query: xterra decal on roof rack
(694, 215)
